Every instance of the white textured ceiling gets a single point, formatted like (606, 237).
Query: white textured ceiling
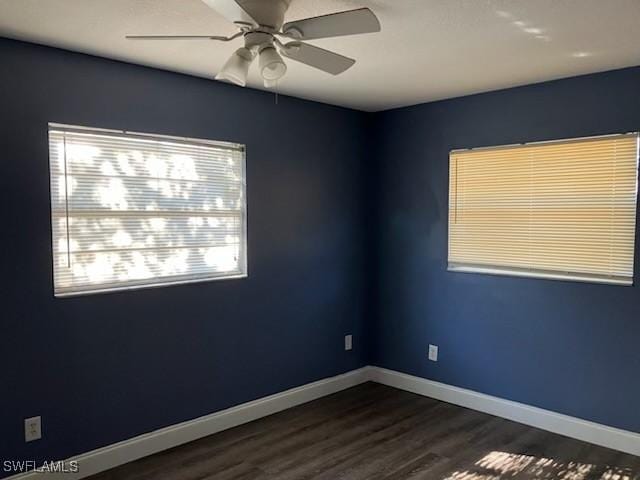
(427, 50)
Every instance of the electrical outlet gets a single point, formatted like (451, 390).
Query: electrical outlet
(348, 342)
(433, 353)
(32, 429)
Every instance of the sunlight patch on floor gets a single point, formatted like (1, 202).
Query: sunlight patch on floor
(501, 465)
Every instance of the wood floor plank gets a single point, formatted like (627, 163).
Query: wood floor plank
(374, 432)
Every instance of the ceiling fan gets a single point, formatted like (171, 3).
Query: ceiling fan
(261, 22)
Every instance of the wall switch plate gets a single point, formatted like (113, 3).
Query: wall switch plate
(348, 342)
(32, 429)
(433, 353)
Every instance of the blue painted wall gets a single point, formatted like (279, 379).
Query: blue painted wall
(103, 368)
(569, 347)
(347, 230)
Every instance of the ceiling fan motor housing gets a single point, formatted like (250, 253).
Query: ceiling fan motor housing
(257, 40)
(268, 14)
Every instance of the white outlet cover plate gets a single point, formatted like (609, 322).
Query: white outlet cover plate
(32, 429)
(348, 342)
(433, 353)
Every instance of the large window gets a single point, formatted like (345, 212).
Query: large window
(562, 210)
(135, 210)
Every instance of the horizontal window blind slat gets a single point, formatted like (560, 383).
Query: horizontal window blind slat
(567, 207)
(105, 213)
(121, 285)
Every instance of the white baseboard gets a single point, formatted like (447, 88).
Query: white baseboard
(132, 449)
(617, 439)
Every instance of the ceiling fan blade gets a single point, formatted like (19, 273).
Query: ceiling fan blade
(351, 22)
(176, 37)
(316, 57)
(232, 11)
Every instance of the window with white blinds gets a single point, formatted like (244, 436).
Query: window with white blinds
(560, 210)
(136, 210)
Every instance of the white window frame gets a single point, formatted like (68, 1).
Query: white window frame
(453, 266)
(170, 281)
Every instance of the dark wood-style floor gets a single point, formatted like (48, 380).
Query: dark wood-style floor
(376, 432)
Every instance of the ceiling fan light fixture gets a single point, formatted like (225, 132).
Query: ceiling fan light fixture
(236, 69)
(270, 83)
(272, 67)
